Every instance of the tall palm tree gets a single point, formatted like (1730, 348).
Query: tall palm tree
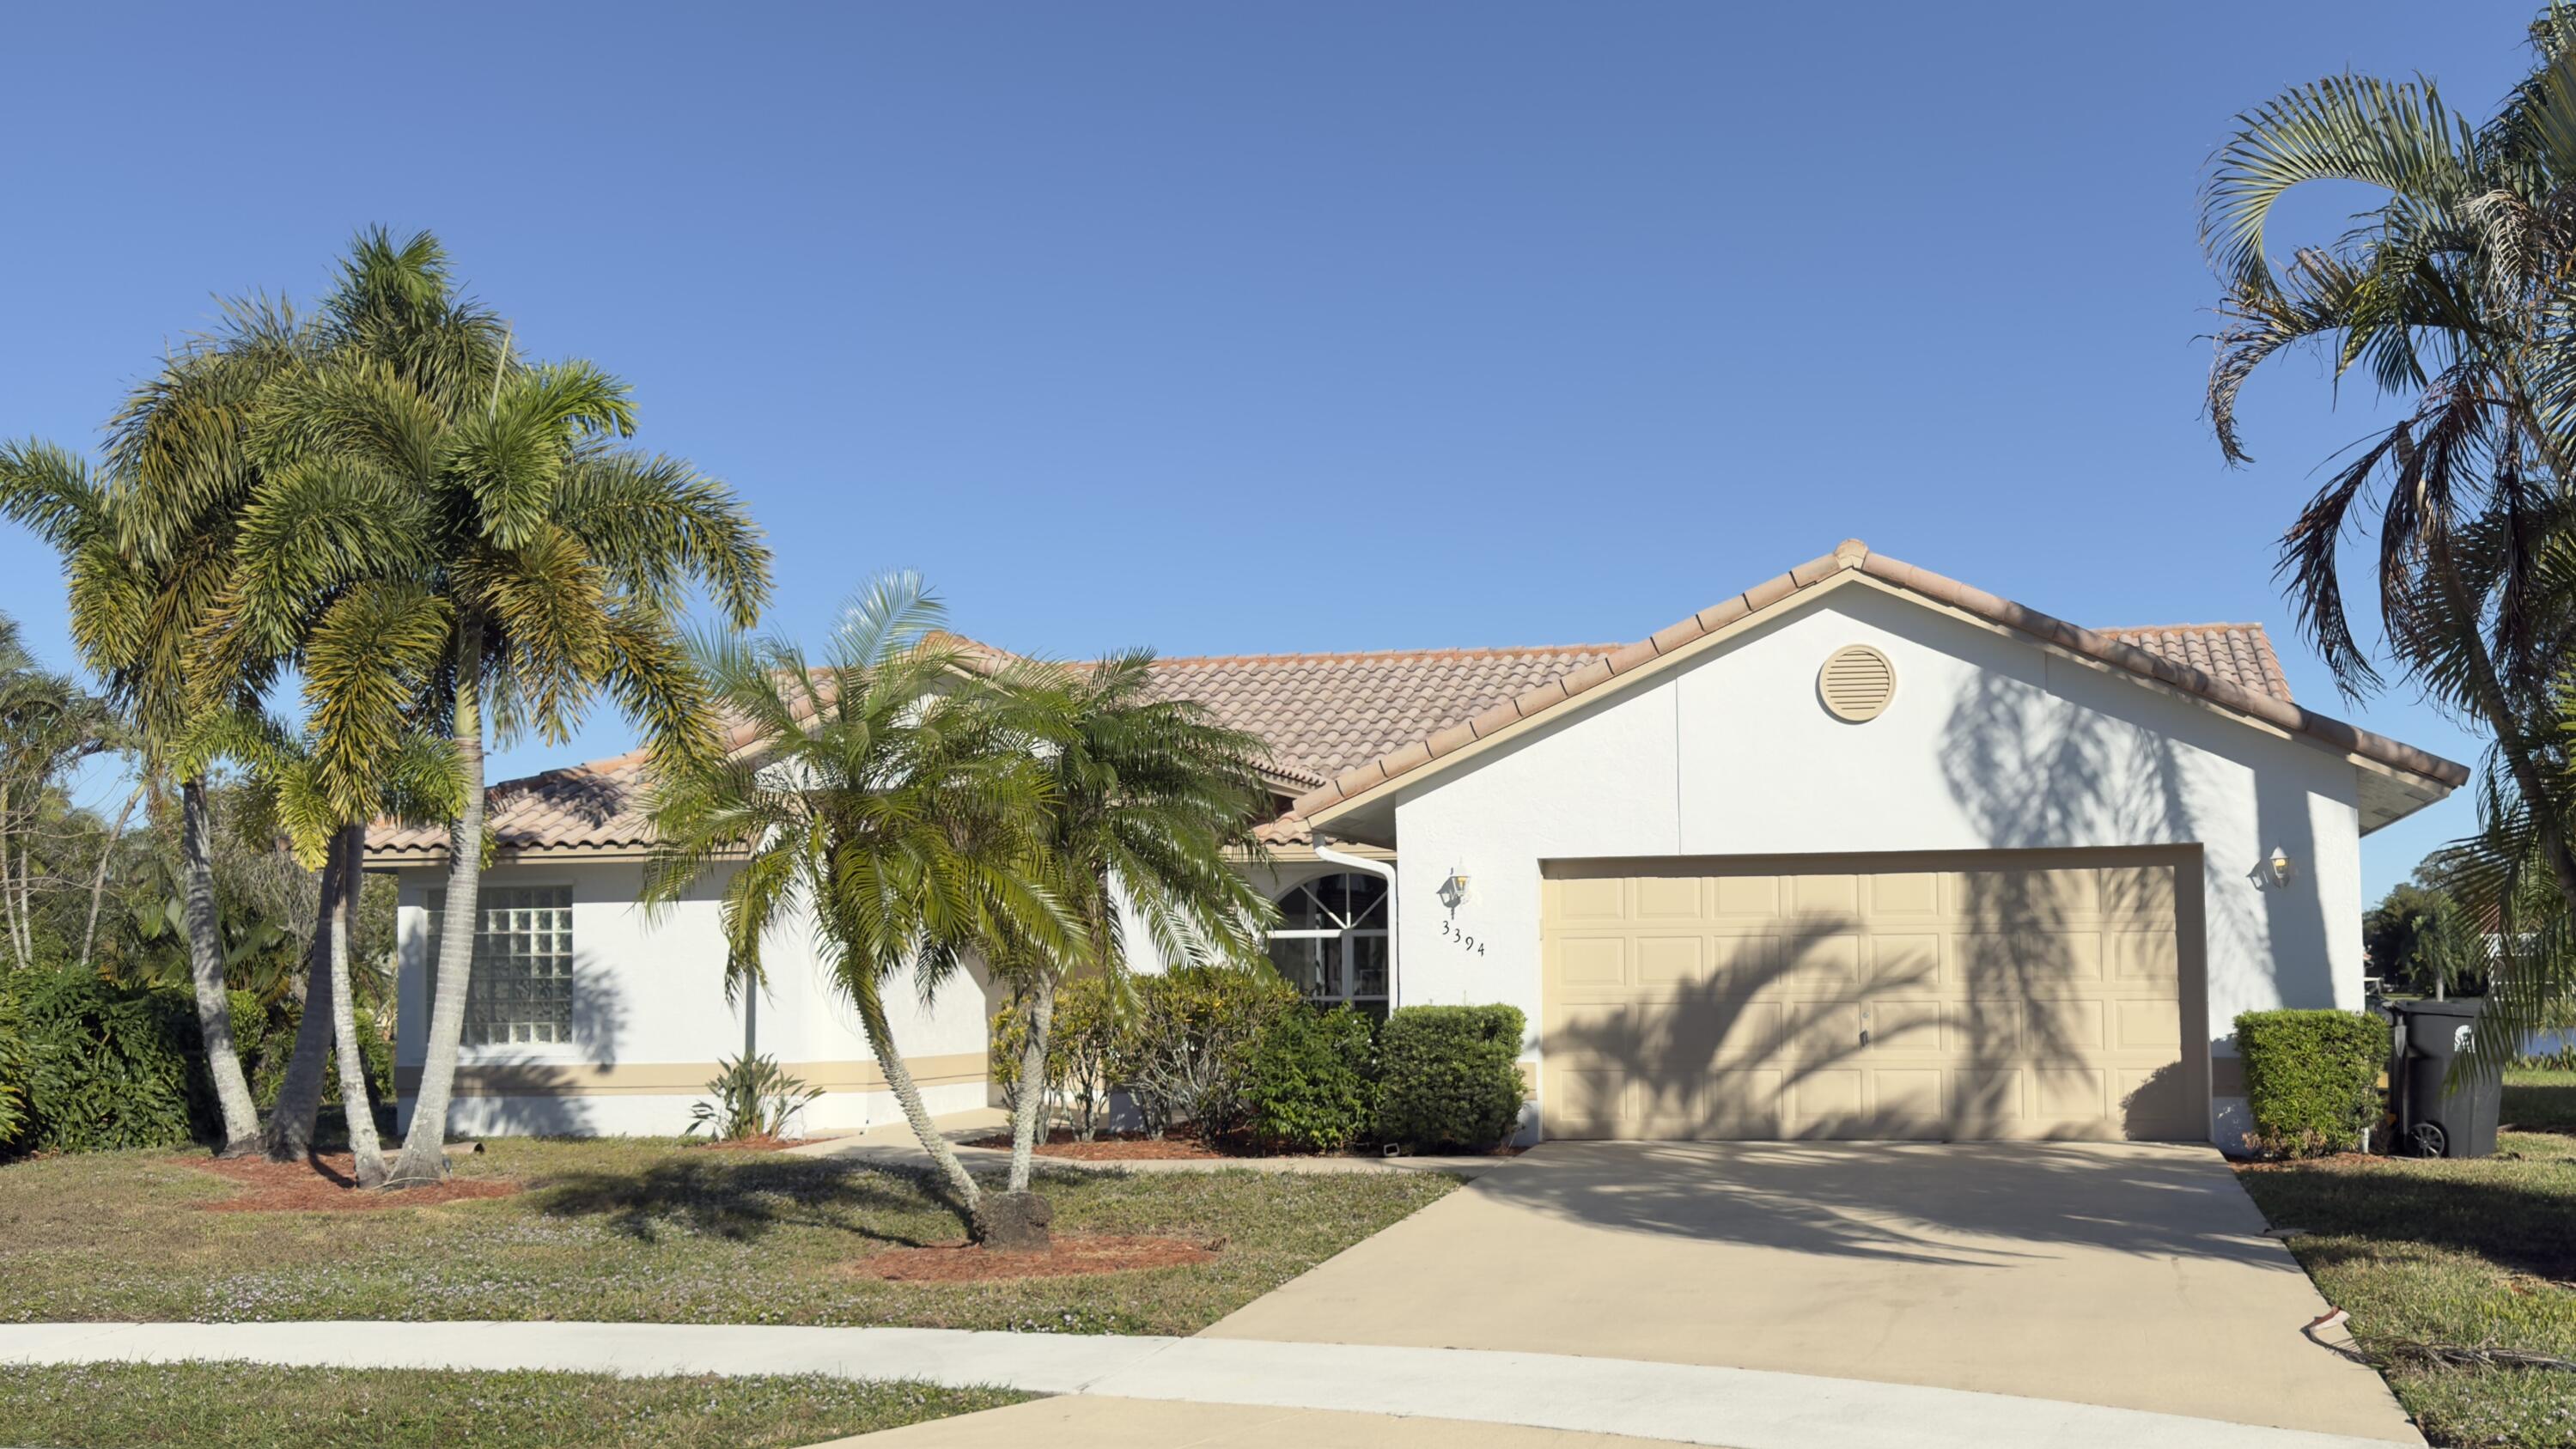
(2456, 298)
(415, 472)
(886, 794)
(319, 807)
(143, 556)
(1151, 801)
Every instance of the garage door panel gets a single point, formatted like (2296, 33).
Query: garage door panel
(1670, 898)
(1590, 960)
(1713, 1001)
(1904, 962)
(1671, 960)
(1825, 1102)
(1822, 962)
(1754, 896)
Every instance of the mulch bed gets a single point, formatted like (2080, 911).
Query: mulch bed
(1070, 1257)
(1181, 1143)
(1113, 1147)
(325, 1184)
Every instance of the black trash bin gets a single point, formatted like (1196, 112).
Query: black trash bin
(2437, 1117)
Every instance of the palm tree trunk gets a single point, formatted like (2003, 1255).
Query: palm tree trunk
(8, 902)
(98, 879)
(424, 1153)
(292, 1119)
(1029, 1115)
(206, 967)
(350, 846)
(968, 1197)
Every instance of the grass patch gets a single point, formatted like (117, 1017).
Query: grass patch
(649, 1231)
(2474, 1253)
(262, 1406)
(2540, 1099)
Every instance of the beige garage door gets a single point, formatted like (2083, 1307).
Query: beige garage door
(1965, 997)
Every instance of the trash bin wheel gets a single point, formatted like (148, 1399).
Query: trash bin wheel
(2430, 1141)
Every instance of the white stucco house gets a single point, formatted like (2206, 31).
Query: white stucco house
(1861, 851)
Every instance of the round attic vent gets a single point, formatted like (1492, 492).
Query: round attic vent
(1856, 683)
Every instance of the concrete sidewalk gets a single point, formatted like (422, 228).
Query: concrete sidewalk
(1678, 1403)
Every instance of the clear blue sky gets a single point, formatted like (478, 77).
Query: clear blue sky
(1315, 326)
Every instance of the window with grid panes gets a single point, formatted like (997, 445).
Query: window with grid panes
(520, 991)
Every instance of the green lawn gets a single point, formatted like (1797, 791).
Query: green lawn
(258, 1406)
(624, 1230)
(2478, 1254)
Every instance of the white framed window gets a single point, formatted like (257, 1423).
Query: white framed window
(1331, 942)
(520, 990)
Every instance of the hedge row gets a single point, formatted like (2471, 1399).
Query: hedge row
(90, 1066)
(1238, 1057)
(2311, 1078)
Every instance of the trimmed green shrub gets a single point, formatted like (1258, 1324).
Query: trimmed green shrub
(753, 1096)
(1189, 1039)
(2311, 1078)
(1306, 1085)
(115, 1066)
(17, 1066)
(1449, 1076)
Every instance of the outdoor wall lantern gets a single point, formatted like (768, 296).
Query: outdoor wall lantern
(2276, 871)
(1453, 891)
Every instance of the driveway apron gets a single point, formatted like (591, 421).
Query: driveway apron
(2130, 1275)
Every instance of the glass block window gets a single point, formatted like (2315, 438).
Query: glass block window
(520, 991)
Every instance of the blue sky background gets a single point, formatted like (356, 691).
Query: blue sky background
(1233, 329)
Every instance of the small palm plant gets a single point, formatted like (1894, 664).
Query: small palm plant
(883, 794)
(750, 1096)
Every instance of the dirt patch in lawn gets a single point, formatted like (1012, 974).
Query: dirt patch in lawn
(1121, 1147)
(1072, 1256)
(325, 1184)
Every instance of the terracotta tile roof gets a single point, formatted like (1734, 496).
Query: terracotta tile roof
(1324, 713)
(1340, 723)
(2240, 654)
(2230, 654)
(595, 807)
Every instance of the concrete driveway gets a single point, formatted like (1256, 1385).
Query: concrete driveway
(2127, 1275)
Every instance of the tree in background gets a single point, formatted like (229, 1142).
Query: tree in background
(887, 792)
(2421, 941)
(417, 477)
(2454, 299)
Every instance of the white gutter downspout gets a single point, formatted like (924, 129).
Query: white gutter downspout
(1385, 871)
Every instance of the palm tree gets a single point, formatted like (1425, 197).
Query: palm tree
(1149, 798)
(884, 792)
(136, 604)
(318, 806)
(2453, 297)
(415, 472)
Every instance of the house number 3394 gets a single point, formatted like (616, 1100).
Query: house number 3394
(1463, 941)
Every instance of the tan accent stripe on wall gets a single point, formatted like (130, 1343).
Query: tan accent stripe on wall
(657, 1079)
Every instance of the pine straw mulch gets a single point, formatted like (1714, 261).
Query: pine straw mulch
(325, 1183)
(1073, 1255)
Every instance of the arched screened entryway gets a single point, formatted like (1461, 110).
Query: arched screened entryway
(1331, 942)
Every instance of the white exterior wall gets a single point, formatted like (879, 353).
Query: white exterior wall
(650, 992)
(1989, 743)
